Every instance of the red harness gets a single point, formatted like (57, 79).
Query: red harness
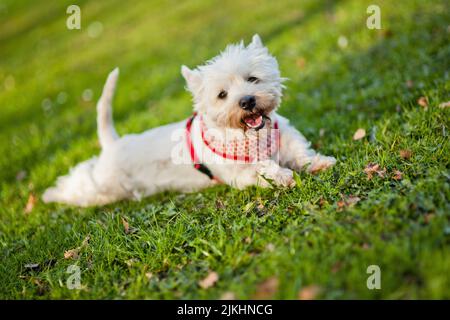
(197, 165)
(241, 152)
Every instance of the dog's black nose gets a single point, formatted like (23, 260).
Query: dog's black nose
(247, 102)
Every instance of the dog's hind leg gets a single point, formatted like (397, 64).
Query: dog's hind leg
(78, 187)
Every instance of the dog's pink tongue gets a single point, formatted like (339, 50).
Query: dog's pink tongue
(253, 122)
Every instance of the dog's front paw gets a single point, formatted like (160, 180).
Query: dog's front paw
(285, 178)
(320, 163)
(282, 177)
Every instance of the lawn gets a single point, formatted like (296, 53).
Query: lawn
(385, 203)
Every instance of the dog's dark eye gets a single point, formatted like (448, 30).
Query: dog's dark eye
(253, 79)
(222, 94)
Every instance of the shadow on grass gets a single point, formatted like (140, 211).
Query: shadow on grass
(368, 85)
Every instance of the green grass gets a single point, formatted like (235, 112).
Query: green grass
(302, 236)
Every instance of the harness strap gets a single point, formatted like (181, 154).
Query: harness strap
(197, 165)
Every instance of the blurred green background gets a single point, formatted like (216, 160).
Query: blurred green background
(343, 76)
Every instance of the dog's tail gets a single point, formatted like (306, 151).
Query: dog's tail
(105, 125)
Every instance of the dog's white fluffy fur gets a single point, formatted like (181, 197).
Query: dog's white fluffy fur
(138, 165)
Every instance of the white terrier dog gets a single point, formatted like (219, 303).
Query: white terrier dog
(234, 137)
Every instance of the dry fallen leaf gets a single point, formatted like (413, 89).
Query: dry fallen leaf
(444, 105)
(220, 204)
(209, 281)
(423, 102)
(267, 289)
(373, 168)
(359, 134)
(398, 175)
(341, 204)
(228, 296)
(126, 226)
(405, 154)
(260, 209)
(351, 200)
(322, 202)
(310, 292)
(381, 173)
(387, 33)
(30, 203)
(348, 201)
(370, 169)
(74, 253)
(148, 275)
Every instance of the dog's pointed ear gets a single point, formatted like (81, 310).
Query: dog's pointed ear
(193, 78)
(256, 41)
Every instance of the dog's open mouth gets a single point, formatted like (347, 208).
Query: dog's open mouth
(254, 121)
